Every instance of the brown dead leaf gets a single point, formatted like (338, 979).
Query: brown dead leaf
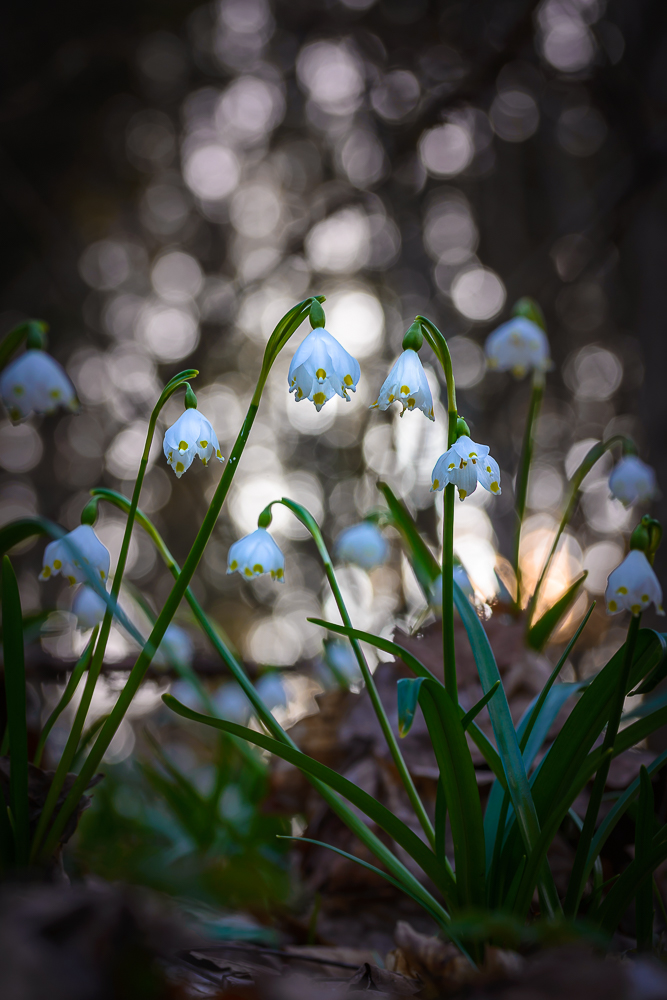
(371, 977)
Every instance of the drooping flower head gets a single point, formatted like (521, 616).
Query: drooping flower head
(519, 346)
(36, 383)
(255, 554)
(465, 464)
(321, 368)
(68, 555)
(406, 384)
(632, 481)
(633, 586)
(88, 607)
(362, 544)
(191, 435)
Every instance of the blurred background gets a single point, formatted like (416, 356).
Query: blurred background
(175, 176)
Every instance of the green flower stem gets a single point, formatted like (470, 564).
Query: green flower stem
(310, 523)
(582, 862)
(285, 328)
(593, 456)
(72, 744)
(524, 471)
(439, 345)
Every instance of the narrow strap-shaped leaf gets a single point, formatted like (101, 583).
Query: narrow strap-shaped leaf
(12, 644)
(625, 888)
(457, 773)
(506, 739)
(479, 705)
(644, 825)
(551, 706)
(407, 695)
(558, 770)
(535, 712)
(80, 668)
(440, 821)
(619, 809)
(386, 820)
(395, 882)
(625, 739)
(482, 743)
(423, 561)
(540, 633)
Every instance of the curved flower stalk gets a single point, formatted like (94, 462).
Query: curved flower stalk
(192, 435)
(309, 522)
(36, 383)
(362, 544)
(633, 586)
(256, 554)
(70, 554)
(321, 368)
(464, 465)
(633, 481)
(283, 331)
(403, 875)
(518, 346)
(589, 460)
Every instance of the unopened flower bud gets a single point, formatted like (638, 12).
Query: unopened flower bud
(414, 338)
(190, 398)
(531, 310)
(36, 338)
(89, 512)
(462, 429)
(265, 518)
(317, 317)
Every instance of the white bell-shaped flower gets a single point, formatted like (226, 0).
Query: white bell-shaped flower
(321, 368)
(176, 646)
(255, 554)
(36, 383)
(632, 481)
(406, 384)
(465, 464)
(68, 555)
(518, 346)
(88, 607)
(362, 544)
(191, 435)
(633, 585)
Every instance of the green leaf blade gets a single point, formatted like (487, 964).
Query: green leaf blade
(12, 642)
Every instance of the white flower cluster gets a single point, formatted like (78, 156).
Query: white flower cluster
(518, 346)
(633, 586)
(406, 384)
(70, 554)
